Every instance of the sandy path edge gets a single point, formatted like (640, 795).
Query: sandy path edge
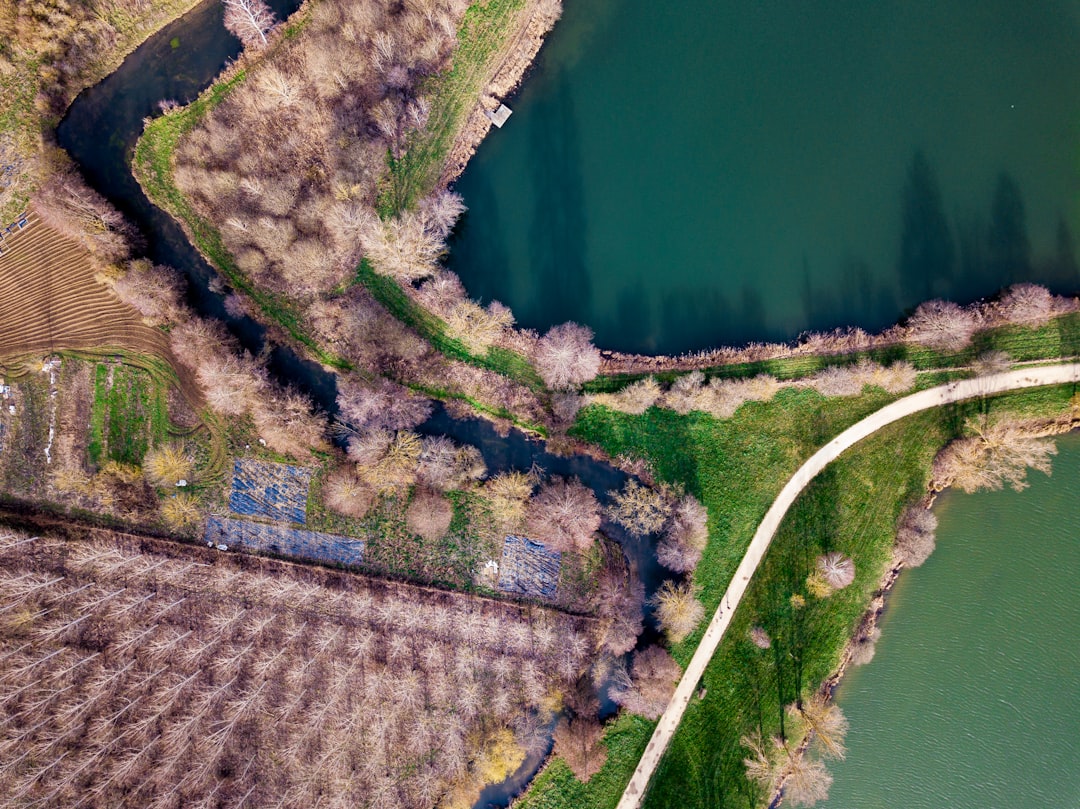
(755, 552)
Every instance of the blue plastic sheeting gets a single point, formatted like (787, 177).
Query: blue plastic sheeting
(276, 491)
(528, 568)
(278, 539)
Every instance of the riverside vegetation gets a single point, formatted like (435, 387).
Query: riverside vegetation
(727, 446)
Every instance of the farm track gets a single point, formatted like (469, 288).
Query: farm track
(51, 301)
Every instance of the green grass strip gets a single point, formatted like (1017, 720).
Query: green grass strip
(390, 294)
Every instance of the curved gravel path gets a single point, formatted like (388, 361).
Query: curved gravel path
(916, 402)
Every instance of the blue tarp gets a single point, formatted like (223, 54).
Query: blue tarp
(279, 539)
(276, 491)
(528, 568)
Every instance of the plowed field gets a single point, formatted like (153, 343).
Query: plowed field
(49, 300)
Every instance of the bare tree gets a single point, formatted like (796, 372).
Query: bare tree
(991, 362)
(943, 325)
(619, 602)
(380, 404)
(429, 514)
(1027, 304)
(249, 20)
(646, 689)
(579, 742)
(837, 570)
(507, 495)
(806, 781)
(915, 538)
(760, 638)
(168, 464)
(155, 290)
(635, 398)
(68, 205)
(992, 458)
(685, 537)
(639, 509)
(678, 612)
(566, 357)
(827, 722)
(345, 493)
(564, 515)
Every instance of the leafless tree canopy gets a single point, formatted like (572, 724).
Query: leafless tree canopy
(991, 458)
(678, 612)
(915, 538)
(566, 357)
(236, 384)
(1028, 304)
(619, 603)
(288, 165)
(837, 570)
(807, 781)
(579, 742)
(249, 20)
(685, 537)
(380, 405)
(150, 673)
(156, 291)
(68, 205)
(646, 689)
(344, 492)
(429, 514)
(943, 325)
(639, 509)
(564, 515)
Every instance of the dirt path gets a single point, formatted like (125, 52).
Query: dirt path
(924, 400)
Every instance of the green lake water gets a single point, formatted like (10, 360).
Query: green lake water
(679, 176)
(973, 698)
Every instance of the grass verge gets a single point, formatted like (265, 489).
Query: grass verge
(737, 466)
(1056, 339)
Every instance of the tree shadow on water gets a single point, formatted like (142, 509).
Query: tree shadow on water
(557, 232)
(927, 252)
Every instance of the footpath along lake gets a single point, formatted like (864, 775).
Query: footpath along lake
(973, 698)
(779, 237)
(682, 177)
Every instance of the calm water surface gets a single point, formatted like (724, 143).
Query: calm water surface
(680, 176)
(973, 698)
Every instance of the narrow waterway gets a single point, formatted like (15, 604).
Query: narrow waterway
(681, 177)
(973, 698)
(100, 131)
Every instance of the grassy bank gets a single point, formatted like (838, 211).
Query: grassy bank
(390, 294)
(737, 467)
(1058, 338)
(153, 166)
(482, 38)
(34, 43)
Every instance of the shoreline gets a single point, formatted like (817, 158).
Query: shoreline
(871, 618)
(515, 64)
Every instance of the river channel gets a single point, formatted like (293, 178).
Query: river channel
(972, 700)
(737, 171)
(711, 173)
(100, 131)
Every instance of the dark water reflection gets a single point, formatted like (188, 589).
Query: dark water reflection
(745, 171)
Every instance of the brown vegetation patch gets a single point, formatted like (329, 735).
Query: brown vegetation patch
(51, 300)
(145, 672)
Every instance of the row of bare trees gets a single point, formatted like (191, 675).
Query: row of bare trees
(721, 398)
(151, 673)
(939, 324)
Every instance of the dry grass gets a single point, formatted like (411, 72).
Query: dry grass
(140, 673)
